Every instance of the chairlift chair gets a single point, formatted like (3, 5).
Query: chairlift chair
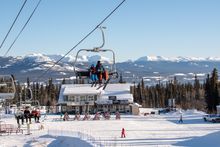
(7, 87)
(29, 102)
(85, 73)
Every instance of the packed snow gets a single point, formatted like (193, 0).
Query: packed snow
(144, 130)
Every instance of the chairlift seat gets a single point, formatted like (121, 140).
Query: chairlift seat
(7, 86)
(7, 95)
(83, 74)
(113, 74)
(3, 84)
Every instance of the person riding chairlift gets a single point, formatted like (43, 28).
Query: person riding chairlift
(93, 75)
(101, 72)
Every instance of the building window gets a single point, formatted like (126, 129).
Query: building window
(90, 98)
(121, 107)
(65, 98)
(71, 98)
(82, 98)
(63, 108)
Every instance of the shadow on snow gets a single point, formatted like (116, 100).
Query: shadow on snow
(209, 140)
(59, 141)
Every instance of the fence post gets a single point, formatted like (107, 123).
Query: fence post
(28, 129)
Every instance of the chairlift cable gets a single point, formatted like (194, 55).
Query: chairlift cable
(22, 28)
(49, 68)
(13, 24)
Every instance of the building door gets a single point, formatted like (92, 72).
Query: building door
(117, 108)
(80, 109)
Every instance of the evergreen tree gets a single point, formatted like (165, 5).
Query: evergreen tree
(214, 88)
(139, 94)
(37, 92)
(28, 82)
(51, 92)
(211, 91)
(42, 96)
(197, 87)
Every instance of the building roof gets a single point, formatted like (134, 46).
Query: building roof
(79, 89)
(121, 91)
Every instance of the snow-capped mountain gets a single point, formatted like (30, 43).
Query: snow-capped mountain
(151, 68)
(69, 58)
(38, 58)
(176, 59)
(95, 58)
(151, 58)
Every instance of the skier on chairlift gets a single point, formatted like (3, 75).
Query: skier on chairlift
(93, 75)
(101, 72)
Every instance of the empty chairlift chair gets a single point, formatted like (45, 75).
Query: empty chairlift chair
(7, 87)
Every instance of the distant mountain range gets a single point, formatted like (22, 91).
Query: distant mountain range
(151, 68)
(177, 59)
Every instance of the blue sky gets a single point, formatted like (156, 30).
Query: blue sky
(139, 28)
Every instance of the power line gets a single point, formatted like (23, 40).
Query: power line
(48, 69)
(22, 28)
(13, 24)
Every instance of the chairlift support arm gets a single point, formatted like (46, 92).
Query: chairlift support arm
(92, 50)
(103, 36)
(97, 49)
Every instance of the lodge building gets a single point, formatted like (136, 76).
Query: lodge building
(82, 98)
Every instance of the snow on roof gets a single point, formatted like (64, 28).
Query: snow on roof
(121, 91)
(136, 104)
(87, 89)
(79, 89)
(118, 87)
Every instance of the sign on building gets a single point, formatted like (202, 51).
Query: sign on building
(113, 98)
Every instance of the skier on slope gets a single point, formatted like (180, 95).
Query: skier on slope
(123, 133)
(181, 118)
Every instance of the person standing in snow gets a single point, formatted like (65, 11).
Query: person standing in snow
(66, 117)
(38, 116)
(123, 133)
(117, 115)
(27, 115)
(19, 115)
(181, 118)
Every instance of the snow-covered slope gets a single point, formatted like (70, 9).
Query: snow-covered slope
(141, 131)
